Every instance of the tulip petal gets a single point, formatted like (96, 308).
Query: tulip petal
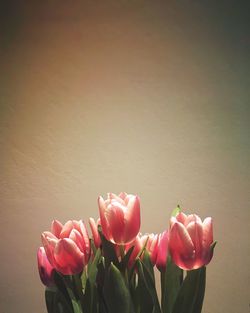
(45, 268)
(192, 218)
(172, 221)
(128, 198)
(132, 219)
(56, 228)
(117, 223)
(85, 236)
(152, 247)
(207, 232)
(68, 257)
(48, 234)
(66, 230)
(181, 217)
(122, 195)
(137, 244)
(76, 225)
(103, 218)
(196, 233)
(113, 196)
(207, 239)
(181, 246)
(162, 253)
(49, 242)
(83, 231)
(77, 238)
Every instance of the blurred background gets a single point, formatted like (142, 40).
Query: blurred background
(147, 97)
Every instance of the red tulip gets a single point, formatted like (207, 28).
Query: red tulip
(120, 217)
(94, 230)
(44, 267)
(67, 246)
(162, 252)
(190, 241)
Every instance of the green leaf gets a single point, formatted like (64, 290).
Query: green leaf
(76, 305)
(84, 278)
(100, 277)
(150, 283)
(145, 299)
(108, 250)
(62, 288)
(133, 287)
(55, 301)
(100, 272)
(92, 245)
(197, 307)
(49, 298)
(191, 294)
(124, 262)
(176, 211)
(148, 264)
(213, 246)
(74, 289)
(77, 287)
(102, 307)
(90, 298)
(171, 280)
(90, 294)
(92, 267)
(116, 293)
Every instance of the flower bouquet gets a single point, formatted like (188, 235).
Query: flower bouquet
(113, 270)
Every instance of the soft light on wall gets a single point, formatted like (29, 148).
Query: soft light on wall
(148, 98)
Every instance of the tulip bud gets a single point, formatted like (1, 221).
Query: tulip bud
(120, 217)
(162, 252)
(44, 267)
(67, 246)
(151, 241)
(190, 241)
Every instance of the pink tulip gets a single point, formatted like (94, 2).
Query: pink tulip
(138, 245)
(162, 253)
(44, 267)
(67, 246)
(151, 241)
(190, 241)
(120, 217)
(94, 230)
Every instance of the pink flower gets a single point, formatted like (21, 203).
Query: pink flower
(138, 245)
(44, 267)
(67, 246)
(151, 241)
(162, 252)
(190, 241)
(151, 245)
(94, 230)
(120, 217)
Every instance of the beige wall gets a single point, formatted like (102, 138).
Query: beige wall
(140, 96)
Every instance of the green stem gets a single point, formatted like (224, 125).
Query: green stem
(122, 251)
(163, 291)
(76, 301)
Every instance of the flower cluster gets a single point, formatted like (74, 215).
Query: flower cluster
(119, 254)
